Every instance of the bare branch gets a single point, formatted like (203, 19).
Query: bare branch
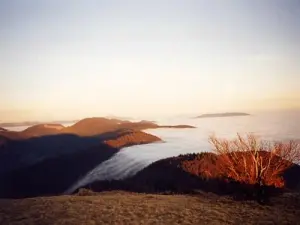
(250, 160)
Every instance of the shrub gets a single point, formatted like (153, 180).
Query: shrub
(253, 161)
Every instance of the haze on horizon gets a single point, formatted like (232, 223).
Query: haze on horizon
(72, 59)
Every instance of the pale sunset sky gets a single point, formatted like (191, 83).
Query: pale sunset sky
(63, 59)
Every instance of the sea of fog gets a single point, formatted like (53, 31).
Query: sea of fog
(127, 162)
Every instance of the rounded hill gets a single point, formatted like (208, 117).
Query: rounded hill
(43, 129)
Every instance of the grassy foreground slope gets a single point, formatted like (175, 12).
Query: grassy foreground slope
(129, 208)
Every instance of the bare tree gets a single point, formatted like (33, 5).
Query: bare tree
(253, 161)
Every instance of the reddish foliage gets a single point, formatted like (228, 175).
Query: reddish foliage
(251, 161)
(131, 138)
(203, 165)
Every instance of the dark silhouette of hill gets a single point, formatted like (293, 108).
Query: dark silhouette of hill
(164, 176)
(171, 176)
(3, 141)
(31, 159)
(54, 175)
(65, 158)
(20, 153)
(292, 177)
(227, 114)
(191, 173)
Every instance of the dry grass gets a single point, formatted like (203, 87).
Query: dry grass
(128, 208)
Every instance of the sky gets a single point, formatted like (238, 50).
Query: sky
(63, 59)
